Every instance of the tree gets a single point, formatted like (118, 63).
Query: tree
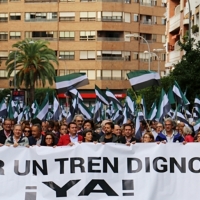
(186, 72)
(34, 60)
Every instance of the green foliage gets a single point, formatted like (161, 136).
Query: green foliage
(4, 93)
(195, 28)
(40, 94)
(186, 72)
(34, 60)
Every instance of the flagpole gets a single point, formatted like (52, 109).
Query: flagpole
(141, 109)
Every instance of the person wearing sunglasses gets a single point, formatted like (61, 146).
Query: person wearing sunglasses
(27, 131)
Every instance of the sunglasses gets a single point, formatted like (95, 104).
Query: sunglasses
(27, 131)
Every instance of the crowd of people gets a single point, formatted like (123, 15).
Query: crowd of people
(52, 133)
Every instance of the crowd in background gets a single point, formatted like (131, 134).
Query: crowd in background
(53, 133)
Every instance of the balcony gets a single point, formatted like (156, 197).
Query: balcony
(174, 23)
(40, 20)
(41, 1)
(3, 1)
(174, 56)
(110, 58)
(110, 39)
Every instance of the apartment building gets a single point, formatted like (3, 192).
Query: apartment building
(177, 27)
(89, 36)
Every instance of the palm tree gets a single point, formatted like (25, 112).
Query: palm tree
(34, 60)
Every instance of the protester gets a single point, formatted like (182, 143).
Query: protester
(159, 128)
(128, 137)
(187, 133)
(72, 137)
(17, 139)
(108, 136)
(89, 124)
(79, 120)
(148, 137)
(37, 138)
(169, 134)
(44, 127)
(6, 131)
(87, 135)
(49, 140)
(198, 137)
(62, 130)
(27, 131)
(117, 130)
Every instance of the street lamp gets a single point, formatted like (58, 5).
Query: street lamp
(15, 80)
(189, 19)
(158, 59)
(135, 35)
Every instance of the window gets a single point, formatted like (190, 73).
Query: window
(49, 35)
(3, 36)
(127, 17)
(90, 74)
(66, 55)
(3, 73)
(117, 74)
(112, 16)
(3, 55)
(163, 56)
(87, 55)
(66, 35)
(135, 18)
(67, 16)
(109, 55)
(135, 56)
(67, 0)
(87, 16)
(163, 39)
(15, 16)
(87, 35)
(163, 21)
(52, 16)
(106, 74)
(3, 17)
(15, 35)
(126, 55)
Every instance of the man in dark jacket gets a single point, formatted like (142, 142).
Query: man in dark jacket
(108, 136)
(6, 132)
(37, 138)
(128, 137)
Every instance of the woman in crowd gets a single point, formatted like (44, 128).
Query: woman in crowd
(87, 135)
(148, 137)
(89, 124)
(27, 131)
(49, 140)
(187, 134)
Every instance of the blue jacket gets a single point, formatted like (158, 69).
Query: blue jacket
(177, 137)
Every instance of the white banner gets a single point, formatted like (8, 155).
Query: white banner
(101, 172)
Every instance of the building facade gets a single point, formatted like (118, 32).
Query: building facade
(89, 36)
(177, 28)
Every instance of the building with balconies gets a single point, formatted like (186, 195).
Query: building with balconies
(88, 36)
(177, 27)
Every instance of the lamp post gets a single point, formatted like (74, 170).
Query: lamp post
(135, 35)
(15, 80)
(189, 19)
(158, 59)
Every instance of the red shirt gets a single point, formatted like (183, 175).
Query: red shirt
(65, 140)
(189, 138)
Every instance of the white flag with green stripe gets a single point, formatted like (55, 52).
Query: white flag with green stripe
(143, 78)
(67, 82)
